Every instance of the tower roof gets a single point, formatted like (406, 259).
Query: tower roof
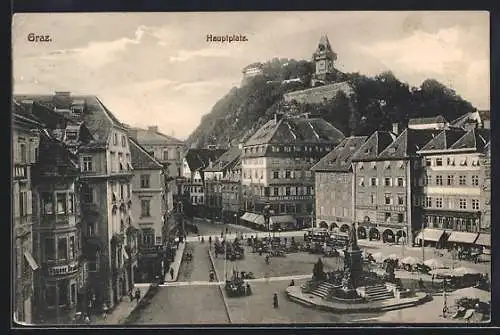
(323, 40)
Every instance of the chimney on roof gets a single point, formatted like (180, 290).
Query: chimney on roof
(153, 128)
(395, 128)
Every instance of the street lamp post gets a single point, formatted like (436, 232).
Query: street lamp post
(423, 241)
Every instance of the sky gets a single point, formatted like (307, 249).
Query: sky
(159, 69)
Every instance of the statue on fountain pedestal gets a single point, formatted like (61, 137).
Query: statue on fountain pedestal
(352, 262)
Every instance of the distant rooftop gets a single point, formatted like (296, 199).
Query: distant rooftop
(152, 136)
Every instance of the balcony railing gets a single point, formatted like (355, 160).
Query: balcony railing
(20, 172)
(372, 207)
(284, 197)
(61, 267)
(392, 208)
(61, 220)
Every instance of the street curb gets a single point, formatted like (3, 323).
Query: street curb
(125, 319)
(226, 307)
(181, 258)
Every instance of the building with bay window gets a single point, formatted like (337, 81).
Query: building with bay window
(25, 267)
(276, 174)
(149, 207)
(109, 238)
(60, 286)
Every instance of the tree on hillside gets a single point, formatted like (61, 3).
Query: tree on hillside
(377, 103)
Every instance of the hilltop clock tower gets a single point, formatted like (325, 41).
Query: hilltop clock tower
(324, 58)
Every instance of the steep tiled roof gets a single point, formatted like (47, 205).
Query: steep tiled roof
(339, 159)
(427, 120)
(152, 137)
(408, 143)
(467, 117)
(141, 159)
(444, 140)
(473, 139)
(374, 146)
(296, 131)
(225, 159)
(54, 158)
(21, 114)
(96, 117)
(198, 159)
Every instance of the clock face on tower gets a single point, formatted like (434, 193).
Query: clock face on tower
(321, 66)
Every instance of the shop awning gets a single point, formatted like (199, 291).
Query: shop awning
(484, 240)
(246, 216)
(254, 218)
(462, 237)
(429, 234)
(31, 261)
(282, 219)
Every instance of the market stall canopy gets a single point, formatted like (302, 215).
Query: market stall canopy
(434, 263)
(433, 235)
(392, 256)
(410, 260)
(378, 257)
(472, 292)
(484, 240)
(441, 272)
(462, 237)
(253, 218)
(462, 271)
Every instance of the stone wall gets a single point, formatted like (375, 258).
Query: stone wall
(317, 94)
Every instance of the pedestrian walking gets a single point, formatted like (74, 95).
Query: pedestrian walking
(130, 294)
(87, 319)
(275, 300)
(172, 273)
(138, 295)
(104, 311)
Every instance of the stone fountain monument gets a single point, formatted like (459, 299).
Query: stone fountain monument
(353, 266)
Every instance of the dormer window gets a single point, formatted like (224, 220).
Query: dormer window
(71, 135)
(388, 165)
(77, 109)
(374, 165)
(361, 167)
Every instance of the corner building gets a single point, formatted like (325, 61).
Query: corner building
(276, 164)
(105, 192)
(451, 187)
